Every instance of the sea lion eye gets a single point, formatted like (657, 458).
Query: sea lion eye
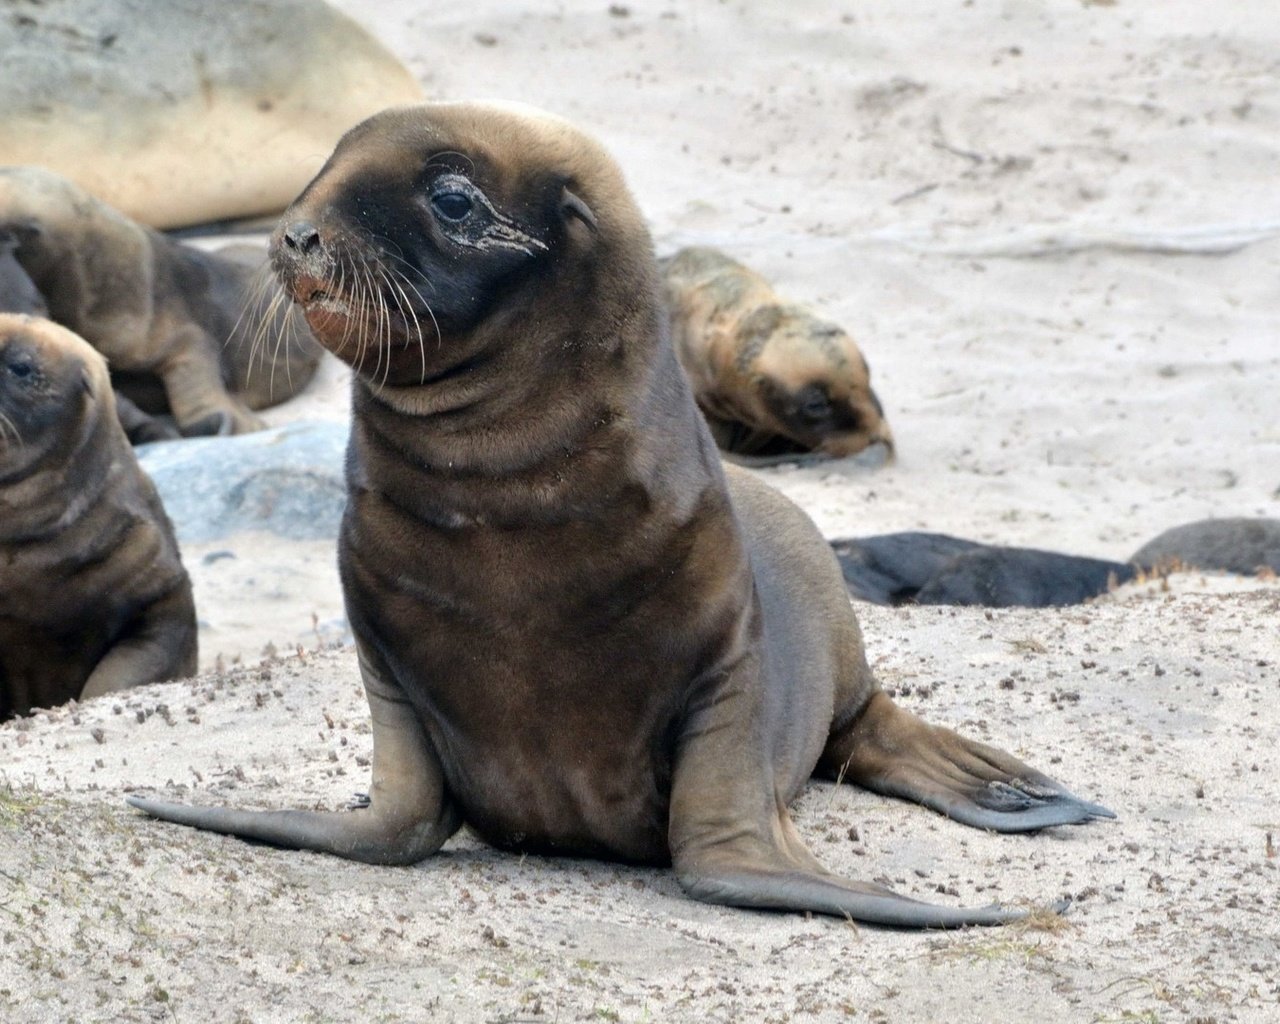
(812, 405)
(452, 206)
(20, 368)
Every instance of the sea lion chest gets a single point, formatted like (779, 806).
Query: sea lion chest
(551, 639)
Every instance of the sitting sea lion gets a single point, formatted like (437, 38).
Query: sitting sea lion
(93, 596)
(578, 631)
(204, 336)
(773, 380)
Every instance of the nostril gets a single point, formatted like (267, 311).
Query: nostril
(301, 235)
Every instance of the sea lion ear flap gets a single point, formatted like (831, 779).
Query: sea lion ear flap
(86, 381)
(572, 205)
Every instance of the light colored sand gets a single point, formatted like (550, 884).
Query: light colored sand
(1005, 202)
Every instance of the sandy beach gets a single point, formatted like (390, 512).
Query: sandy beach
(1055, 231)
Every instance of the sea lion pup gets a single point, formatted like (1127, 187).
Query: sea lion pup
(934, 568)
(93, 596)
(156, 309)
(1235, 544)
(577, 631)
(773, 380)
(18, 294)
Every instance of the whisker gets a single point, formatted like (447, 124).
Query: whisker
(400, 259)
(393, 290)
(417, 323)
(384, 313)
(408, 315)
(253, 298)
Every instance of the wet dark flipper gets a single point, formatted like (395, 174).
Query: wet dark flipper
(779, 887)
(409, 814)
(732, 840)
(890, 751)
(140, 427)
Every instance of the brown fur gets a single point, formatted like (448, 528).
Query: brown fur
(771, 378)
(577, 633)
(184, 331)
(93, 597)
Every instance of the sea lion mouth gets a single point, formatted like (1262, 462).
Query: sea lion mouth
(316, 293)
(323, 301)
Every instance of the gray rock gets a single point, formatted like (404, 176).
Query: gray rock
(288, 481)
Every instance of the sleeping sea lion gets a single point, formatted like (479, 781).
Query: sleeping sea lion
(1234, 544)
(935, 568)
(188, 112)
(773, 380)
(201, 335)
(578, 631)
(93, 596)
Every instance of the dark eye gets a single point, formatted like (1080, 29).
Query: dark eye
(812, 405)
(20, 368)
(452, 206)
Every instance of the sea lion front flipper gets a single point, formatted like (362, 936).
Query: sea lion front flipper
(160, 645)
(889, 750)
(196, 391)
(732, 841)
(141, 427)
(409, 815)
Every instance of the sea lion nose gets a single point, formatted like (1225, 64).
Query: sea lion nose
(302, 236)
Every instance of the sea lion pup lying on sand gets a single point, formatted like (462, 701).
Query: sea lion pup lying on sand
(210, 328)
(93, 597)
(578, 632)
(773, 380)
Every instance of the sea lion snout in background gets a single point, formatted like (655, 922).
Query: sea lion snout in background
(773, 380)
(578, 631)
(186, 332)
(93, 596)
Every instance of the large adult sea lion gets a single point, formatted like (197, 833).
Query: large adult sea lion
(578, 632)
(188, 111)
(93, 597)
(203, 336)
(773, 380)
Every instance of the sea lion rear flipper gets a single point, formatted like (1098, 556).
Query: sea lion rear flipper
(409, 816)
(732, 841)
(888, 750)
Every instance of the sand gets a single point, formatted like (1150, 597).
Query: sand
(1053, 228)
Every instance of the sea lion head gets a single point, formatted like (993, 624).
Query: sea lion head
(49, 379)
(812, 383)
(435, 232)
